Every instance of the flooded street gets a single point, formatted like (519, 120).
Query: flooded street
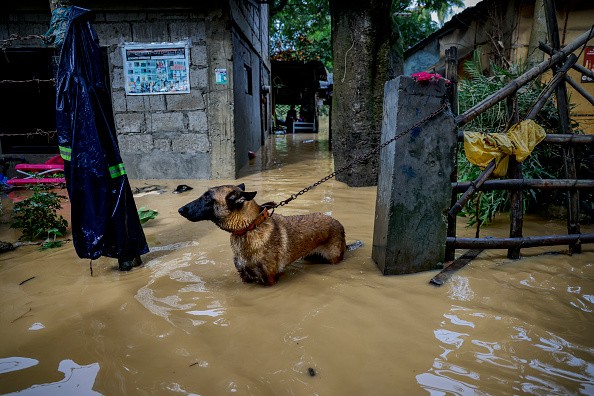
(184, 323)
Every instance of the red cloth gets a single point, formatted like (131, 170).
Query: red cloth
(424, 76)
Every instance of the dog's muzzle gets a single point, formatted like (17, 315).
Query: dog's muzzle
(183, 211)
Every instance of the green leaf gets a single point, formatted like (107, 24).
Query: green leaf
(145, 214)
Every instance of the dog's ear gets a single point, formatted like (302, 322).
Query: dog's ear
(248, 196)
(241, 186)
(236, 199)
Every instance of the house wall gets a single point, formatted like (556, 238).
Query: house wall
(160, 136)
(187, 136)
(521, 25)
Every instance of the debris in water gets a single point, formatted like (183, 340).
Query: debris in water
(355, 245)
(182, 188)
(145, 214)
(146, 190)
(26, 280)
(311, 372)
(6, 247)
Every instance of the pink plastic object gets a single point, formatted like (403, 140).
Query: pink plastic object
(46, 180)
(32, 172)
(424, 76)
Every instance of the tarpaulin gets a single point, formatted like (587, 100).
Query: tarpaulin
(104, 217)
(519, 140)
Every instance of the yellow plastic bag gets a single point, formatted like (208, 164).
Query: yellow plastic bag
(520, 139)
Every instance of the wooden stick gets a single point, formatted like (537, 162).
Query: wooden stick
(525, 242)
(580, 89)
(522, 80)
(545, 48)
(514, 170)
(452, 75)
(573, 202)
(457, 264)
(556, 138)
(526, 184)
(552, 86)
(475, 185)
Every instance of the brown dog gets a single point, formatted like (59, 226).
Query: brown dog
(264, 245)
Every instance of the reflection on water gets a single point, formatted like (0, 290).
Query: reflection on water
(15, 363)
(516, 350)
(78, 380)
(184, 323)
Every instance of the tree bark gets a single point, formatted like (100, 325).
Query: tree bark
(361, 43)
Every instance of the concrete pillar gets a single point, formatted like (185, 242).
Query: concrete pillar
(414, 188)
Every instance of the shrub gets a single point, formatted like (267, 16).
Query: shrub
(542, 163)
(37, 216)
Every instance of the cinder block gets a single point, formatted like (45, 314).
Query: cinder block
(198, 55)
(199, 78)
(113, 33)
(198, 121)
(136, 143)
(130, 122)
(189, 101)
(190, 143)
(168, 122)
(149, 32)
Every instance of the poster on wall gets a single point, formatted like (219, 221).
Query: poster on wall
(588, 63)
(156, 68)
(221, 76)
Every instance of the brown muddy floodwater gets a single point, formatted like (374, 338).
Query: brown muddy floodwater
(184, 323)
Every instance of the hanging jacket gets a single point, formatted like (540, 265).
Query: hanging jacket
(104, 217)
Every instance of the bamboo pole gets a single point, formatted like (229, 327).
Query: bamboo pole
(525, 242)
(545, 48)
(552, 86)
(474, 185)
(556, 138)
(590, 73)
(580, 89)
(525, 184)
(516, 213)
(457, 264)
(522, 80)
(452, 75)
(573, 201)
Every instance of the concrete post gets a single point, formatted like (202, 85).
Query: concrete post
(414, 187)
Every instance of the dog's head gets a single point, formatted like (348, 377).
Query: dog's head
(217, 203)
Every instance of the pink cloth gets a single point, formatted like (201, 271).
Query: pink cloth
(424, 76)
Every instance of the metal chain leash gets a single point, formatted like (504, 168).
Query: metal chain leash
(357, 160)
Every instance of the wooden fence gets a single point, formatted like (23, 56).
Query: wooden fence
(560, 61)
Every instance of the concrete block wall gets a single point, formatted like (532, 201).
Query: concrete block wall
(160, 136)
(178, 136)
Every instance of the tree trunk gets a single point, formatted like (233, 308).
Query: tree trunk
(361, 41)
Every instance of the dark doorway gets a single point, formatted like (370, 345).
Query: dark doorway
(28, 110)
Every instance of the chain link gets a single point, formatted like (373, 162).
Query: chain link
(362, 158)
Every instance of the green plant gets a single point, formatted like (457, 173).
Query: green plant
(37, 215)
(542, 163)
(51, 241)
(145, 214)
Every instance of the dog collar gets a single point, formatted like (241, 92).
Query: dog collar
(257, 221)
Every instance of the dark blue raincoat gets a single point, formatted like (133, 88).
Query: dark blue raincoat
(104, 217)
